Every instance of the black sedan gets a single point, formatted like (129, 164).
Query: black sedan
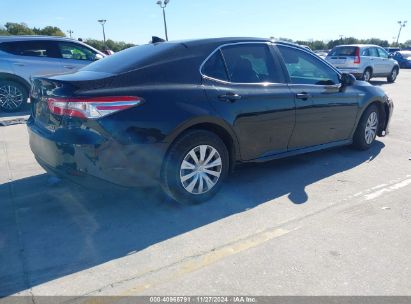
(183, 114)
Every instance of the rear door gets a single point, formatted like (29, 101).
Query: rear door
(324, 112)
(246, 86)
(33, 58)
(74, 56)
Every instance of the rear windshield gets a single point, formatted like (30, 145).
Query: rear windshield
(131, 58)
(343, 51)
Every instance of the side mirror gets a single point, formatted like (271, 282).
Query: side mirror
(391, 55)
(347, 79)
(98, 57)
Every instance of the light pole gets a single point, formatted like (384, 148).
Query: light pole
(402, 24)
(163, 5)
(70, 32)
(103, 22)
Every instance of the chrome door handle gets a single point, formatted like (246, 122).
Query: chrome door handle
(230, 97)
(69, 67)
(18, 64)
(303, 96)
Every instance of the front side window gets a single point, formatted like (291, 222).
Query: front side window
(304, 68)
(373, 52)
(382, 53)
(75, 51)
(30, 48)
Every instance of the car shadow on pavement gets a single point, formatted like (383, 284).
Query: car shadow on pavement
(48, 231)
(380, 82)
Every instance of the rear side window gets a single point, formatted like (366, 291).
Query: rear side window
(215, 67)
(343, 51)
(251, 63)
(75, 51)
(30, 48)
(365, 52)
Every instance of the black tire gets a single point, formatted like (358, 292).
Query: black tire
(13, 96)
(171, 175)
(393, 75)
(360, 139)
(367, 75)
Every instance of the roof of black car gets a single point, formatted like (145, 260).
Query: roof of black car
(197, 42)
(214, 42)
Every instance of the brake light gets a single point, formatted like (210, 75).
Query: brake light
(357, 58)
(96, 107)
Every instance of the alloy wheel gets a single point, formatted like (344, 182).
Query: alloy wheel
(11, 97)
(394, 74)
(371, 128)
(201, 169)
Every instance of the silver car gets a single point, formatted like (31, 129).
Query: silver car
(364, 61)
(22, 57)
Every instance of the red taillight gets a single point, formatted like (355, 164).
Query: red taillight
(91, 107)
(357, 58)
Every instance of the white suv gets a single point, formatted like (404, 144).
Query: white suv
(364, 61)
(22, 57)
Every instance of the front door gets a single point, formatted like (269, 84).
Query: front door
(74, 56)
(376, 61)
(325, 113)
(386, 63)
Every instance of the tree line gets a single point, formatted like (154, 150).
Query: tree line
(11, 28)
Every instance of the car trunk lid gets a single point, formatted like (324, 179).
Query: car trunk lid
(48, 92)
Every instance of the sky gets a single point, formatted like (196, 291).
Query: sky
(137, 20)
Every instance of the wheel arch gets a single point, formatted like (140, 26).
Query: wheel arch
(215, 125)
(18, 79)
(383, 116)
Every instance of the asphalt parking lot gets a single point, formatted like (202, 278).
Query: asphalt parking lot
(335, 222)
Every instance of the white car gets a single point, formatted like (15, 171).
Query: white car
(364, 61)
(22, 57)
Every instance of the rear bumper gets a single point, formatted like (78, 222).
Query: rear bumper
(131, 165)
(358, 73)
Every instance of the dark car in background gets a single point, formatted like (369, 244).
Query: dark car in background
(183, 114)
(403, 58)
(392, 50)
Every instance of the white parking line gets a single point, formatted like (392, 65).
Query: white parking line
(394, 187)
